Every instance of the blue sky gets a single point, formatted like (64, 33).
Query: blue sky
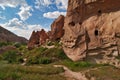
(23, 16)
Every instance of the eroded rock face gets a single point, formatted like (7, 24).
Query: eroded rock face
(43, 37)
(37, 38)
(34, 40)
(40, 37)
(92, 27)
(57, 28)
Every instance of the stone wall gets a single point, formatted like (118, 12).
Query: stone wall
(91, 27)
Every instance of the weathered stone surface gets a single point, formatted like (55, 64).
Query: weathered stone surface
(43, 37)
(40, 37)
(34, 40)
(57, 28)
(91, 26)
(37, 38)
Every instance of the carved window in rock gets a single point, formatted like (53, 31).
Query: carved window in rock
(99, 11)
(80, 23)
(72, 23)
(96, 32)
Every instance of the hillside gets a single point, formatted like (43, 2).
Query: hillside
(7, 36)
(83, 45)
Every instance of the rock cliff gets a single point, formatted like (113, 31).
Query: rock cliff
(92, 28)
(57, 28)
(37, 38)
(40, 37)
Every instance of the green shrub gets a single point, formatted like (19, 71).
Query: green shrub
(4, 44)
(33, 60)
(61, 55)
(17, 44)
(43, 55)
(57, 44)
(41, 60)
(82, 64)
(77, 66)
(55, 53)
(45, 60)
(10, 56)
(1, 57)
(41, 49)
(13, 76)
(50, 43)
(20, 60)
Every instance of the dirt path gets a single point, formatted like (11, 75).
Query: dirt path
(70, 75)
(49, 47)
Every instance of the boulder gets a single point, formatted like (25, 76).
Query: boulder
(91, 26)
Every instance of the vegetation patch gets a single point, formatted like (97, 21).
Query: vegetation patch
(104, 73)
(5, 44)
(45, 56)
(11, 56)
(18, 72)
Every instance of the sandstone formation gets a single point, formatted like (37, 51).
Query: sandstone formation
(92, 28)
(7, 36)
(57, 28)
(40, 37)
(34, 40)
(37, 38)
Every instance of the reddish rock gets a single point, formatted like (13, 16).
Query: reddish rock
(40, 37)
(43, 37)
(37, 38)
(34, 40)
(91, 27)
(57, 28)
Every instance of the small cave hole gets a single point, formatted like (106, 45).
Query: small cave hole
(80, 23)
(72, 23)
(96, 33)
(99, 11)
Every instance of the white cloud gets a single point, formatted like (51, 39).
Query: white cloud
(40, 3)
(54, 14)
(60, 4)
(20, 28)
(25, 9)
(25, 12)
(11, 3)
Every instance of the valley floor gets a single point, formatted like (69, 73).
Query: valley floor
(55, 71)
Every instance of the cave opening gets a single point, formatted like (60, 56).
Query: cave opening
(72, 23)
(80, 23)
(96, 32)
(99, 11)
